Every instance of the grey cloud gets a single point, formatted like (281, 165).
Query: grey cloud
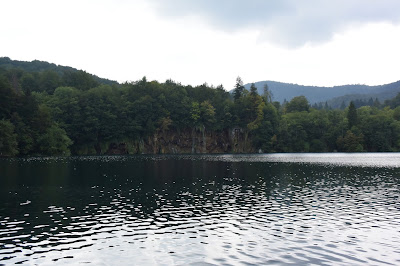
(288, 22)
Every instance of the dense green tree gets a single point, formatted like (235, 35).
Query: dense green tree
(67, 111)
(377, 104)
(296, 125)
(337, 127)
(79, 79)
(49, 80)
(317, 129)
(30, 82)
(352, 115)
(267, 93)
(25, 134)
(14, 76)
(207, 114)
(297, 104)
(39, 114)
(351, 142)
(8, 139)
(253, 90)
(179, 103)
(7, 99)
(396, 113)
(258, 117)
(54, 142)
(263, 135)
(195, 114)
(379, 128)
(393, 103)
(239, 89)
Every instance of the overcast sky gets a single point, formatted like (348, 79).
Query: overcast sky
(309, 42)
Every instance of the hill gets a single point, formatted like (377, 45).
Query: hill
(387, 92)
(315, 94)
(39, 66)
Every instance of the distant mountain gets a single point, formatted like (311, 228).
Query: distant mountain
(387, 93)
(38, 66)
(314, 94)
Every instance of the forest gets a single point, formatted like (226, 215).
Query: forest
(74, 113)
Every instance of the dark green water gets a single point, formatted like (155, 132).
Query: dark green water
(324, 209)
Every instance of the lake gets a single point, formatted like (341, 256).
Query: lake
(302, 209)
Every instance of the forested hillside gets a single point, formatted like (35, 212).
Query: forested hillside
(42, 66)
(50, 113)
(334, 96)
(389, 91)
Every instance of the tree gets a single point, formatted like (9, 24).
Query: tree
(30, 82)
(80, 80)
(253, 90)
(379, 129)
(67, 111)
(267, 93)
(25, 134)
(377, 104)
(298, 104)
(352, 115)
(14, 76)
(393, 103)
(258, 117)
(8, 139)
(48, 81)
(239, 89)
(54, 142)
(351, 142)
(294, 127)
(207, 113)
(220, 88)
(195, 114)
(7, 98)
(396, 113)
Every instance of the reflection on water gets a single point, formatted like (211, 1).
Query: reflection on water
(212, 209)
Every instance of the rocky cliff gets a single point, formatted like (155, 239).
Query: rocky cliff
(185, 142)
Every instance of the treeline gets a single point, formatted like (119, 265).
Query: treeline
(357, 103)
(47, 113)
(44, 68)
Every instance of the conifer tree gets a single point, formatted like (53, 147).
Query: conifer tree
(253, 90)
(239, 89)
(352, 115)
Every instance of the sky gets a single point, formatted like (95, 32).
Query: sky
(307, 42)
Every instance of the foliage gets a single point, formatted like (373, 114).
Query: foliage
(239, 89)
(51, 113)
(298, 104)
(350, 142)
(393, 103)
(35, 67)
(334, 96)
(8, 139)
(253, 90)
(54, 141)
(352, 115)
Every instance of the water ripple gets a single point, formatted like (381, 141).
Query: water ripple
(163, 210)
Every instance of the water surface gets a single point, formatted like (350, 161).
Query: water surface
(298, 209)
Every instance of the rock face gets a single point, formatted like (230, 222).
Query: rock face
(186, 142)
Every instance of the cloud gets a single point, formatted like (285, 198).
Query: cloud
(291, 23)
